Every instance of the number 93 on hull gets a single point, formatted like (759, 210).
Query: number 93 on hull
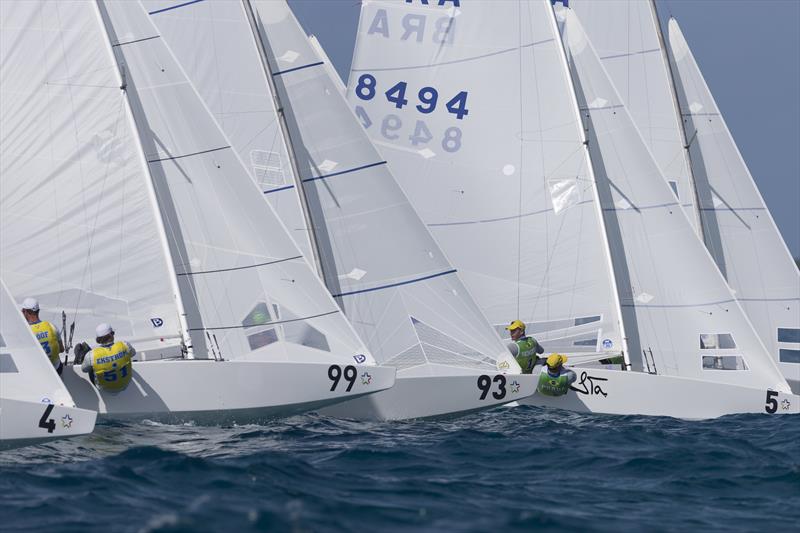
(431, 390)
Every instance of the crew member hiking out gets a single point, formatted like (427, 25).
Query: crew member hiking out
(554, 379)
(524, 348)
(45, 332)
(110, 364)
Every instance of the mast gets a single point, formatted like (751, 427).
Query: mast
(678, 115)
(287, 138)
(151, 192)
(599, 207)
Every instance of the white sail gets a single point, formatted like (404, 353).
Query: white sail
(505, 186)
(77, 229)
(625, 35)
(379, 261)
(680, 317)
(244, 282)
(738, 227)
(30, 387)
(232, 86)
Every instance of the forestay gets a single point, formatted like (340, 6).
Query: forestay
(77, 229)
(749, 250)
(398, 289)
(477, 119)
(680, 317)
(625, 34)
(25, 371)
(214, 44)
(243, 280)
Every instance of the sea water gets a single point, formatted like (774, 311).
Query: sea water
(506, 469)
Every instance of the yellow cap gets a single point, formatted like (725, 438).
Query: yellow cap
(555, 359)
(517, 324)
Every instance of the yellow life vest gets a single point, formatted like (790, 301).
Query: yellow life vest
(47, 336)
(112, 367)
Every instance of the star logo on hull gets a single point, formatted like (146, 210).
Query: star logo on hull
(515, 386)
(366, 378)
(66, 421)
(785, 404)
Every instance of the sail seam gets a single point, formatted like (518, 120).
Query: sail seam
(499, 219)
(239, 268)
(398, 284)
(670, 306)
(188, 155)
(641, 208)
(279, 72)
(267, 323)
(356, 169)
(137, 40)
(455, 61)
(157, 11)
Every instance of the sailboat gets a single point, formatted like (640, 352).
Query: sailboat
(560, 233)
(357, 226)
(150, 222)
(34, 405)
(683, 127)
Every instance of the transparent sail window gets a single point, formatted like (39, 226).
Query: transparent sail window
(7, 365)
(551, 325)
(723, 362)
(789, 356)
(788, 335)
(262, 338)
(267, 168)
(674, 186)
(717, 341)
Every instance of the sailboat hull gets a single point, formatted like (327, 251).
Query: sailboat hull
(437, 395)
(637, 393)
(24, 423)
(226, 392)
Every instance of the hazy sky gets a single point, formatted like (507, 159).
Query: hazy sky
(749, 52)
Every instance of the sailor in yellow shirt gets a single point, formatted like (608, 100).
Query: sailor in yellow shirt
(45, 333)
(111, 364)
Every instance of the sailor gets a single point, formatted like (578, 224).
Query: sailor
(554, 379)
(45, 332)
(110, 364)
(524, 348)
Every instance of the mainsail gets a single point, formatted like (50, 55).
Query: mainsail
(495, 162)
(679, 314)
(378, 260)
(626, 35)
(748, 248)
(77, 227)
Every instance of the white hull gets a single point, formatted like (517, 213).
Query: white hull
(636, 393)
(224, 392)
(434, 392)
(24, 423)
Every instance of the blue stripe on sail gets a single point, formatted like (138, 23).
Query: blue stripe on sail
(157, 11)
(349, 170)
(270, 191)
(398, 284)
(278, 73)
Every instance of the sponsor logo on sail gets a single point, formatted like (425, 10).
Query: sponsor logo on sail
(608, 344)
(360, 358)
(157, 322)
